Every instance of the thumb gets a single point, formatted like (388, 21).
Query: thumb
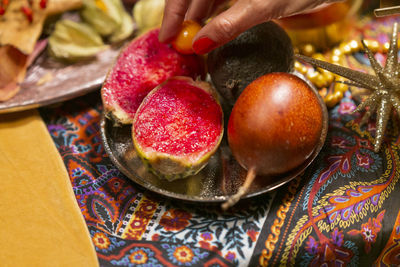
(227, 26)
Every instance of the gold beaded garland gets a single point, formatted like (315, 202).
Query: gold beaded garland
(323, 79)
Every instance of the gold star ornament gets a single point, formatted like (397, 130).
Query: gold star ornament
(384, 85)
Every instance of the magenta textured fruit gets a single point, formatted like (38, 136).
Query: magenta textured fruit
(141, 66)
(177, 128)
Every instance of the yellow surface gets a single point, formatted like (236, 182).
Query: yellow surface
(40, 221)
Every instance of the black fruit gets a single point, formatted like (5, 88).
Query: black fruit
(263, 49)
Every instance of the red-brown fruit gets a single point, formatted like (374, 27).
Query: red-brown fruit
(177, 128)
(276, 124)
(141, 66)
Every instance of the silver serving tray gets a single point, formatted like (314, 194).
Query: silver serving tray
(215, 183)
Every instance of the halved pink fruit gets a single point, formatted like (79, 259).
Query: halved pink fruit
(141, 66)
(177, 128)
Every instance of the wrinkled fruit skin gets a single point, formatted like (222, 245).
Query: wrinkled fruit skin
(262, 49)
(141, 66)
(177, 128)
(275, 124)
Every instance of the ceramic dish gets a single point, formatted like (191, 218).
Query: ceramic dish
(49, 82)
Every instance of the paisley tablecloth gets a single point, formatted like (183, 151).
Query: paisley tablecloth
(344, 210)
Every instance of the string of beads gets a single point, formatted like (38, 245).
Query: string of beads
(325, 81)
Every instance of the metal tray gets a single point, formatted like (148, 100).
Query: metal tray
(215, 183)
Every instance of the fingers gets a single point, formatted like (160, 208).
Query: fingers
(199, 10)
(227, 25)
(243, 15)
(177, 10)
(174, 14)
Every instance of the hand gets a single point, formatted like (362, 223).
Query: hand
(242, 15)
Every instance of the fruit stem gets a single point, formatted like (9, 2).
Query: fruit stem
(251, 174)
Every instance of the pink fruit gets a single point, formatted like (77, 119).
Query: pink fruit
(177, 128)
(141, 66)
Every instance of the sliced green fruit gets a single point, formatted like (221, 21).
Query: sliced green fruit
(74, 41)
(148, 14)
(103, 15)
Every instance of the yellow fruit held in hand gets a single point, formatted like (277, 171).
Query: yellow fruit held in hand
(184, 39)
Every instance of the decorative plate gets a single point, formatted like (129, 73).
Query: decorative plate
(215, 183)
(48, 81)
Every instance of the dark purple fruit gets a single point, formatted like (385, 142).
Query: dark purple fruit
(262, 49)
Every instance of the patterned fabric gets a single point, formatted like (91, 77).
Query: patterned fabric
(130, 225)
(344, 210)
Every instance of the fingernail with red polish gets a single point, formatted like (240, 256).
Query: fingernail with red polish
(203, 45)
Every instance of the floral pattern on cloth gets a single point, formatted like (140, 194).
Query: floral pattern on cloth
(115, 251)
(343, 211)
(121, 214)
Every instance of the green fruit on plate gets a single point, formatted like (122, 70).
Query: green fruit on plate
(263, 49)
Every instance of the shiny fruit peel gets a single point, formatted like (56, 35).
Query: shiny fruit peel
(275, 124)
(178, 127)
(184, 39)
(142, 65)
(274, 127)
